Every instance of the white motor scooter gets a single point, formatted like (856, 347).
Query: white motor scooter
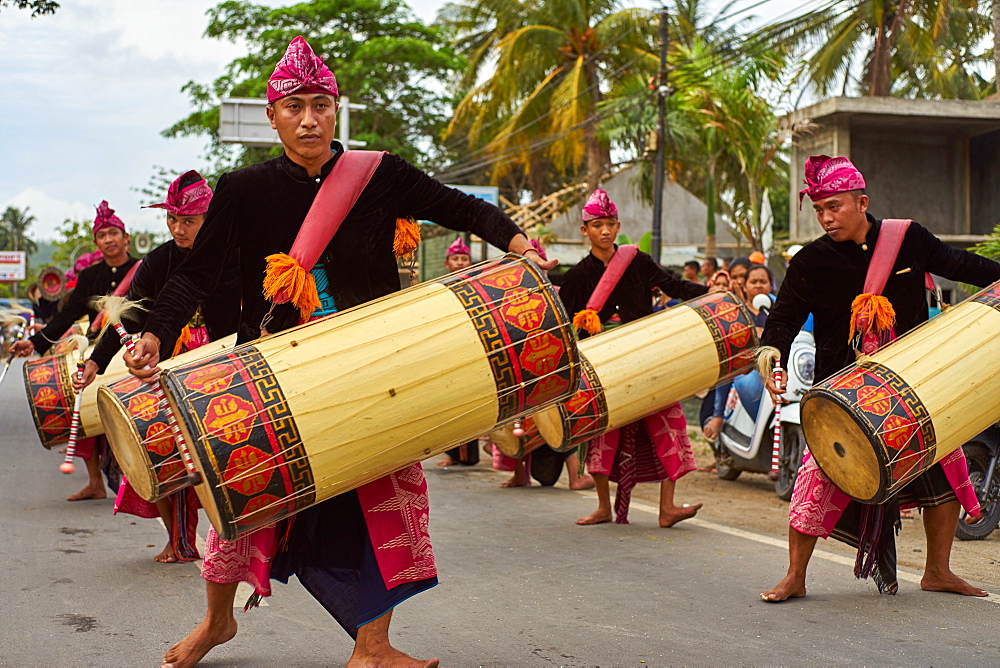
(746, 442)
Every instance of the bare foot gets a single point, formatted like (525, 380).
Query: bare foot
(447, 461)
(519, 479)
(168, 556)
(906, 514)
(583, 482)
(789, 587)
(676, 514)
(949, 582)
(972, 519)
(599, 516)
(390, 657)
(198, 643)
(89, 492)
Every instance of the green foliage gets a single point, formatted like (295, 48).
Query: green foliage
(74, 238)
(382, 55)
(37, 7)
(14, 224)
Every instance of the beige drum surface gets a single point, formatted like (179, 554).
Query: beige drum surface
(345, 400)
(910, 404)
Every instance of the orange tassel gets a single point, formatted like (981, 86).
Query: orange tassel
(182, 340)
(588, 321)
(871, 313)
(407, 237)
(285, 280)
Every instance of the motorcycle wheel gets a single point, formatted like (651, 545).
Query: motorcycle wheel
(978, 457)
(792, 446)
(724, 469)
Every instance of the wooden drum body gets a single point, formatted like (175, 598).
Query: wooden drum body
(879, 424)
(49, 384)
(294, 419)
(137, 428)
(517, 447)
(640, 368)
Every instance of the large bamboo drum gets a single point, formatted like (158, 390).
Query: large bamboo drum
(48, 382)
(640, 368)
(517, 447)
(879, 424)
(288, 421)
(136, 426)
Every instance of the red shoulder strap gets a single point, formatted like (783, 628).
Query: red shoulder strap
(120, 291)
(619, 263)
(335, 199)
(890, 238)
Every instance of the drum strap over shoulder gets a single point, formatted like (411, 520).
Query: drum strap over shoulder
(120, 291)
(873, 318)
(588, 319)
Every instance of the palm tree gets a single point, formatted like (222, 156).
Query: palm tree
(555, 60)
(14, 226)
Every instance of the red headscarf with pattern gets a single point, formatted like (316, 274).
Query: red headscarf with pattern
(300, 70)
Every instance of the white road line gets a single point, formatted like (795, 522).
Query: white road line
(782, 544)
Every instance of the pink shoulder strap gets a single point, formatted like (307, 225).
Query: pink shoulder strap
(619, 263)
(335, 199)
(890, 238)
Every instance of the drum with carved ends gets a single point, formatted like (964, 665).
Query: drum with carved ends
(517, 447)
(137, 428)
(288, 421)
(51, 283)
(645, 366)
(878, 424)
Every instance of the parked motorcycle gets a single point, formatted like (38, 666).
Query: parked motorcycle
(982, 453)
(746, 440)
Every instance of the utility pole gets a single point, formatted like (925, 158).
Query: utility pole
(662, 90)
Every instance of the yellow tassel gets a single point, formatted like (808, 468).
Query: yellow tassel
(286, 279)
(407, 237)
(873, 312)
(182, 340)
(588, 321)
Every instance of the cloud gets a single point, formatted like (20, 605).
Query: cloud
(50, 211)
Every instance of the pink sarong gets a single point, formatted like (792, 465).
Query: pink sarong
(653, 449)
(184, 522)
(817, 503)
(396, 508)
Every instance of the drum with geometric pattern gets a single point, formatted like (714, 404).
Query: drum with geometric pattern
(880, 423)
(293, 419)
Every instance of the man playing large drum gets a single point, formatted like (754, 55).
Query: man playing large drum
(97, 280)
(260, 210)
(828, 279)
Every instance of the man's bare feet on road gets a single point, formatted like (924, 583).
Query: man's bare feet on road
(949, 582)
(389, 658)
(668, 518)
(972, 519)
(89, 492)
(168, 556)
(447, 461)
(198, 643)
(599, 516)
(583, 482)
(790, 587)
(517, 480)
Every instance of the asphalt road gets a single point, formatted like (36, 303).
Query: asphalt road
(521, 585)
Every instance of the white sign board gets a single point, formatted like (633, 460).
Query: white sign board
(489, 194)
(13, 265)
(243, 120)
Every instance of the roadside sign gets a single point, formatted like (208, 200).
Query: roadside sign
(489, 194)
(13, 265)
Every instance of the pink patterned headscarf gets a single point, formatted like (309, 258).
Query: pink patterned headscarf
(538, 247)
(300, 71)
(106, 218)
(189, 200)
(83, 262)
(826, 176)
(458, 247)
(599, 206)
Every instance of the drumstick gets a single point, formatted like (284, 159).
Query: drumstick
(74, 426)
(12, 319)
(114, 307)
(775, 464)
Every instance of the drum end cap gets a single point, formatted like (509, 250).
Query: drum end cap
(194, 478)
(67, 467)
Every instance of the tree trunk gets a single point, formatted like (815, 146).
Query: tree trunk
(710, 248)
(996, 42)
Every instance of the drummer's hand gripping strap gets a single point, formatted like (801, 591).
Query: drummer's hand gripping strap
(588, 319)
(287, 277)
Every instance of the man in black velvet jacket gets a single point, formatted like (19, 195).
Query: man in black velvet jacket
(823, 279)
(259, 210)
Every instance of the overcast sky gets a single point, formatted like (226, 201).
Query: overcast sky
(89, 90)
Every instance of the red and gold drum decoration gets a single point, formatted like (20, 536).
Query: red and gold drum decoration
(878, 424)
(640, 368)
(291, 420)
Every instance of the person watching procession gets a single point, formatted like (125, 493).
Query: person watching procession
(709, 266)
(824, 278)
(345, 554)
(690, 273)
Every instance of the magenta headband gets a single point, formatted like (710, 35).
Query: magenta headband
(458, 247)
(191, 200)
(106, 218)
(300, 70)
(826, 176)
(599, 206)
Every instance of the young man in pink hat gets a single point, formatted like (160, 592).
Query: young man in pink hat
(358, 557)
(824, 278)
(96, 280)
(664, 456)
(186, 203)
